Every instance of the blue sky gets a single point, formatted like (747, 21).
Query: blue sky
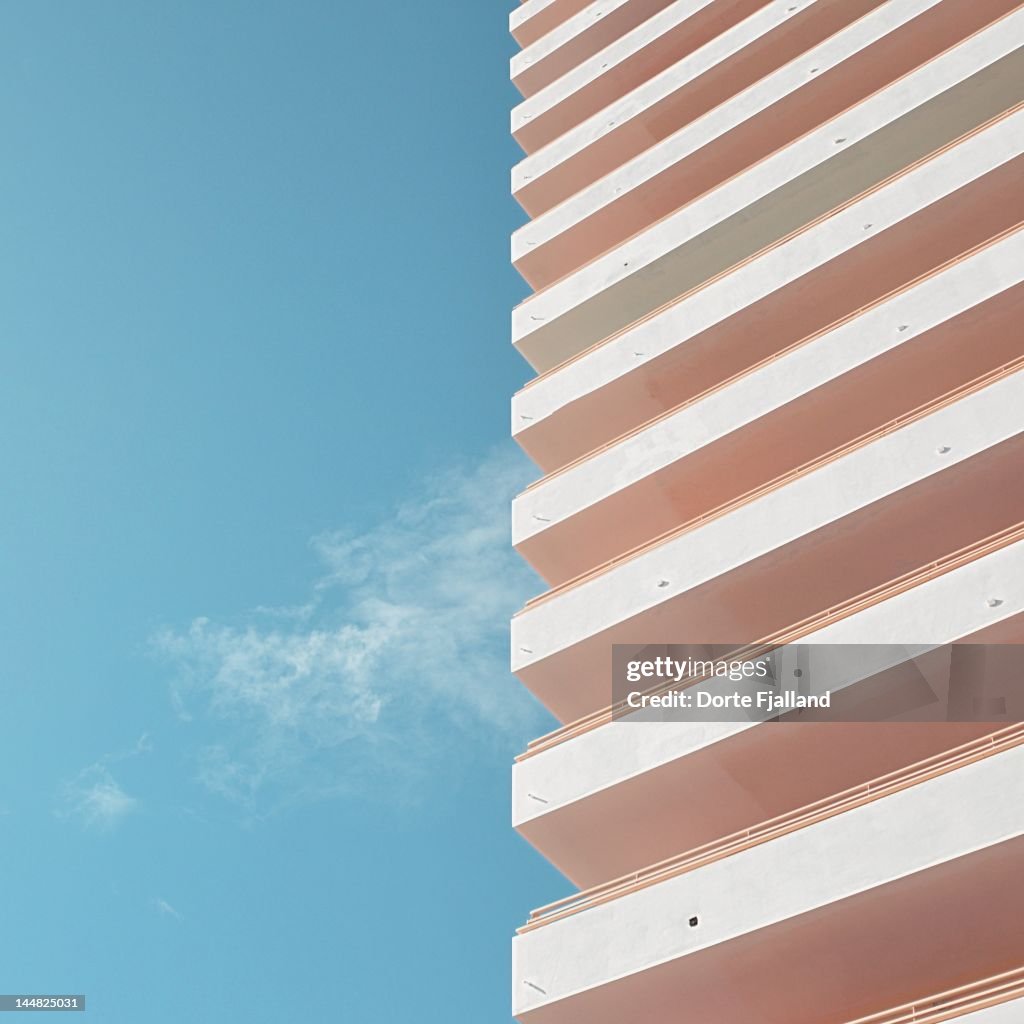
(254, 374)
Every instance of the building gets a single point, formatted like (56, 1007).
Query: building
(777, 262)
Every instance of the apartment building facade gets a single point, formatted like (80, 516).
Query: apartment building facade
(776, 253)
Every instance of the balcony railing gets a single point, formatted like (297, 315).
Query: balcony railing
(957, 1002)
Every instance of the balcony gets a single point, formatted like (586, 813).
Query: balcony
(954, 746)
(775, 931)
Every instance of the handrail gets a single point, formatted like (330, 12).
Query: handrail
(793, 633)
(876, 434)
(774, 357)
(984, 126)
(956, 1002)
(783, 824)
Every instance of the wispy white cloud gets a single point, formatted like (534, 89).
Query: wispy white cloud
(143, 745)
(164, 909)
(402, 640)
(96, 799)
